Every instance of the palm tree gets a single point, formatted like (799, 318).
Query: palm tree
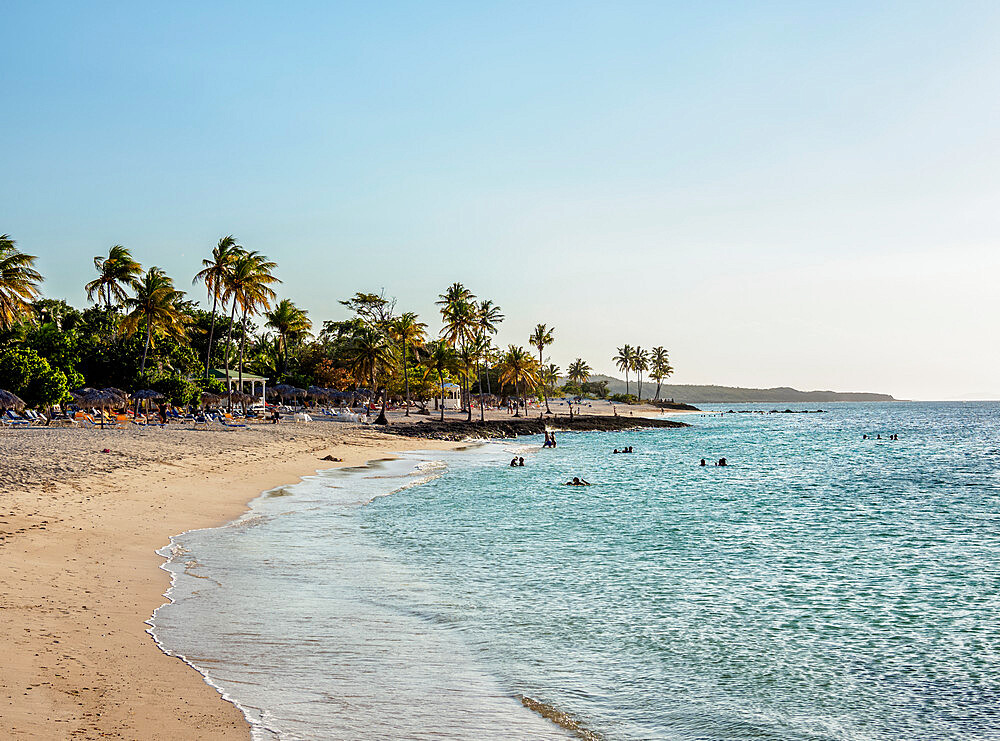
(215, 275)
(18, 283)
(640, 364)
(460, 317)
(370, 353)
(441, 360)
(291, 323)
(660, 367)
(540, 338)
(489, 319)
(157, 305)
(579, 371)
(249, 286)
(549, 377)
(115, 273)
(623, 361)
(518, 368)
(408, 332)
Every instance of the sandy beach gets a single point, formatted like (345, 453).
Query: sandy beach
(79, 575)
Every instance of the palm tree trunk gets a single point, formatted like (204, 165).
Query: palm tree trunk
(468, 391)
(640, 385)
(517, 407)
(243, 342)
(145, 349)
(211, 334)
(626, 382)
(406, 381)
(441, 379)
(479, 374)
(658, 383)
(229, 345)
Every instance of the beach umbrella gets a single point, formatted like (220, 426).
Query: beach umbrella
(145, 395)
(9, 400)
(207, 397)
(317, 392)
(102, 398)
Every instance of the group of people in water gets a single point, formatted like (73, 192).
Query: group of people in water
(720, 462)
(623, 450)
(550, 440)
(879, 437)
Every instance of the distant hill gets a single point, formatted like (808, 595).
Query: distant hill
(726, 394)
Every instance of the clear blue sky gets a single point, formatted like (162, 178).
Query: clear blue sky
(781, 193)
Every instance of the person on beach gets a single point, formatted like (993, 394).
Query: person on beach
(577, 481)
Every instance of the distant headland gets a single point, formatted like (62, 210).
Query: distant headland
(696, 394)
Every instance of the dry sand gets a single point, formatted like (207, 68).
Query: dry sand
(79, 575)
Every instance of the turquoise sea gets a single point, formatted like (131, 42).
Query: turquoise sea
(820, 586)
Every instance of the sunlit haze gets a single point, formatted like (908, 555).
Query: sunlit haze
(795, 194)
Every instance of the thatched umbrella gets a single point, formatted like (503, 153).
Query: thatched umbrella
(207, 397)
(145, 395)
(101, 398)
(10, 401)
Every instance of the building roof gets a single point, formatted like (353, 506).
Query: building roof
(217, 373)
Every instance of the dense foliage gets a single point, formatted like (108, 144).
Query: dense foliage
(141, 332)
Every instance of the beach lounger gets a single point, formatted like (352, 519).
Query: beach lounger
(11, 419)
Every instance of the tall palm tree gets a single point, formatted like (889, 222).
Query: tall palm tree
(248, 285)
(541, 337)
(215, 275)
(623, 361)
(489, 317)
(18, 283)
(517, 368)
(291, 323)
(660, 367)
(579, 371)
(157, 305)
(115, 273)
(460, 317)
(441, 360)
(408, 332)
(640, 364)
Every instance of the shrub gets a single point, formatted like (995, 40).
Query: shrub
(31, 377)
(624, 398)
(179, 391)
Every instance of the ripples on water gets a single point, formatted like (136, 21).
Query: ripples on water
(819, 587)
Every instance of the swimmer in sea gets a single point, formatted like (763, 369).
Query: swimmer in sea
(513, 462)
(577, 481)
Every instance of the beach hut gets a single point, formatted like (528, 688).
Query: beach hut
(255, 386)
(452, 396)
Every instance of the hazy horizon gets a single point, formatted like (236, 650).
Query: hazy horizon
(780, 195)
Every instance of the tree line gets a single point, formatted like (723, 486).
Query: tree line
(142, 331)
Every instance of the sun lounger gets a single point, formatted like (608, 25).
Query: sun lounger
(12, 419)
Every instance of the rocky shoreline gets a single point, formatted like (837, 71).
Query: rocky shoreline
(515, 426)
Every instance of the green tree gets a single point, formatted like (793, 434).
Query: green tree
(441, 360)
(292, 325)
(623, 361)
(660, 367)
(156, 306)
(488, 318)
(409, 332)
(540, 338)
(371, 353)
(579, 371)
(518, 369)
(248, 286)
(25, 373)
(18, 284)
(215, 275)
(115, 273)
(640, 364)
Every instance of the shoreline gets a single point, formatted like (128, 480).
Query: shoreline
(81, 577)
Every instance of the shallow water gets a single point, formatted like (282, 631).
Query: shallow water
(821, 586)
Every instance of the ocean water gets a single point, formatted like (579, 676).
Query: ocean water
(821, 586)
